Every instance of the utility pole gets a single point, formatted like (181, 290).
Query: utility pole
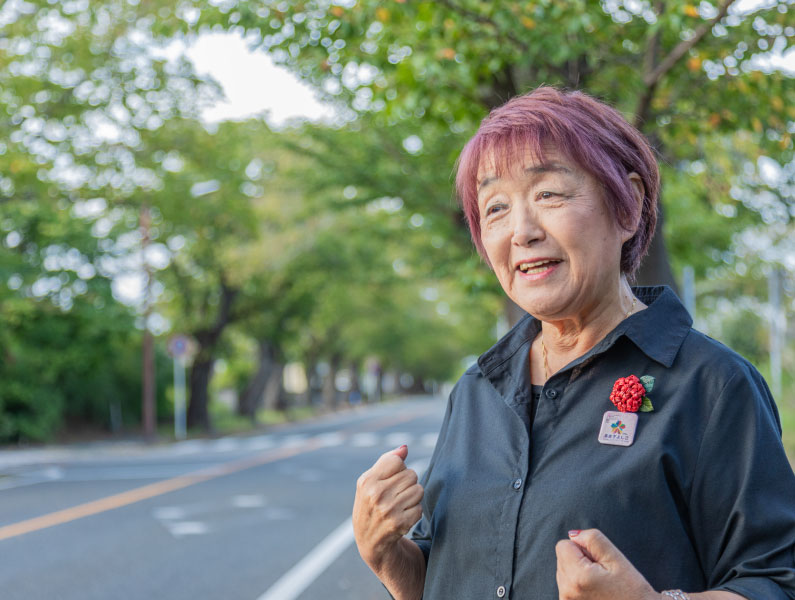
(148, 349)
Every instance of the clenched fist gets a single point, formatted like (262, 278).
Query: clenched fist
(590, 567)
(387, 505)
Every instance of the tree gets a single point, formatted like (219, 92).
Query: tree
(213, 206)
(448, 62)
(79, 84)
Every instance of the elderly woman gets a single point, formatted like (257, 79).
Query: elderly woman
(602, 449)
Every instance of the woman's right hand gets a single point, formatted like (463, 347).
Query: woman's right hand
(387, 505)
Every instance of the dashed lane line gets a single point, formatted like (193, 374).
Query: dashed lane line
(293, 583)
(150, 491)
(296, 444)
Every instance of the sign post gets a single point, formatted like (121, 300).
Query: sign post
(178, 347)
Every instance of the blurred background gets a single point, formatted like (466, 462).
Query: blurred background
(222, 218)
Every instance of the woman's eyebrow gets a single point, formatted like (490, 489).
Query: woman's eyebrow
(542, 169)
(548, 168)
(486, 181)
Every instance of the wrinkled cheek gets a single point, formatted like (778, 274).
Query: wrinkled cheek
(506, 280)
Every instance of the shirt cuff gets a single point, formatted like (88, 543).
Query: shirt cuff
(754, 588)
(425, 546)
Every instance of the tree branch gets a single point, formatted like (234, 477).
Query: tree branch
(684, 46)
(478, 18)
(654, 73)
(653, 49)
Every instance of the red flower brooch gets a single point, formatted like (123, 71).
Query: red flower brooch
(629, 393)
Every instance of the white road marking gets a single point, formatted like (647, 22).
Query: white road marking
(166, 513)
(248, 501)
(297, 579)
(364, 440)
(429, 440)
(188, 447)
(42, 476)
(260, 442)
(398, 438)
(180, 528)
(279, 514)
(293, 583)
(52, 473)
(294, 440)
(333, 438)
(226, 444)
(309, 476)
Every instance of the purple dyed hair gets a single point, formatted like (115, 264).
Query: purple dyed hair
(589, 133)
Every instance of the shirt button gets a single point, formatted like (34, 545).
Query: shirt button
(517, 483)
(551, 394)
(501, 591)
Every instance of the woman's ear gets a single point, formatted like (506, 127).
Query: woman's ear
(638, 193)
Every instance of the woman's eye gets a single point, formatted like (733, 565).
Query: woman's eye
(494, 208)
(546, 195)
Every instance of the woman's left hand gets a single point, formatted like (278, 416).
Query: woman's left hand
(591, 567)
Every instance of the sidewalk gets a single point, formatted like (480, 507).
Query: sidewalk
(13, 458)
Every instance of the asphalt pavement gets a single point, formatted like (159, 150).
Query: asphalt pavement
(262, 517)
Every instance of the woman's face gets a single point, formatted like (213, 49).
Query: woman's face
(550, 236)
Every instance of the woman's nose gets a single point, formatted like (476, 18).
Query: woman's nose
(526, 228)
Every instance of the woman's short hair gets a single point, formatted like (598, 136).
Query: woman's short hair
(589, 133)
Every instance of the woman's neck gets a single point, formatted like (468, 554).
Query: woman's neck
(569, 338)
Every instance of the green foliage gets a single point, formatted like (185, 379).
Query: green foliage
(72, 366)
(342, 243)
(79, 86)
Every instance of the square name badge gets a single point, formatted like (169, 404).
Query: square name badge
(618, 428)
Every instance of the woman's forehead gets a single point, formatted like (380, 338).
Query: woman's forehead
(495, 162)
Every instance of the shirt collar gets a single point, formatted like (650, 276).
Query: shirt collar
(658, 331)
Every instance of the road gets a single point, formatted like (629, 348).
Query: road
(264, 517)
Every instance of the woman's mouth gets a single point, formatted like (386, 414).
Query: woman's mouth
(538, 269)
(539, 266)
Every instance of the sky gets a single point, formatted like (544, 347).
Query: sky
(251, 82)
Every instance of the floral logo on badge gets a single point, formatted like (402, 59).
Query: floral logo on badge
(618, 426)
(630, 393)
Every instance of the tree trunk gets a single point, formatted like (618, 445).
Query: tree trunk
(355, 393)
(656, 268)
(200, 373)
(309, 369)
(329, 384)
(251, 398)
(379, 384)
(274, 390)
(417, 387)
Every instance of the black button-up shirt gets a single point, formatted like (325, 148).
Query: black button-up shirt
(703, 499)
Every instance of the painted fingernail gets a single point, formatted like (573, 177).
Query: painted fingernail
(574, 532)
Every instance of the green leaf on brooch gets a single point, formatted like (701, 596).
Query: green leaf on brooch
(646, 406)
(648, 383)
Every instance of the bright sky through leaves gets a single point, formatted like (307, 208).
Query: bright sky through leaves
(251, 82)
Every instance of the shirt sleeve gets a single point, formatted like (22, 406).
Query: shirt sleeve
(421, 533)
(742, 502)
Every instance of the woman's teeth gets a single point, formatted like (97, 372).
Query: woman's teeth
(533, 268)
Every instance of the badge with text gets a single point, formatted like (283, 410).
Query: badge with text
(618, 428)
